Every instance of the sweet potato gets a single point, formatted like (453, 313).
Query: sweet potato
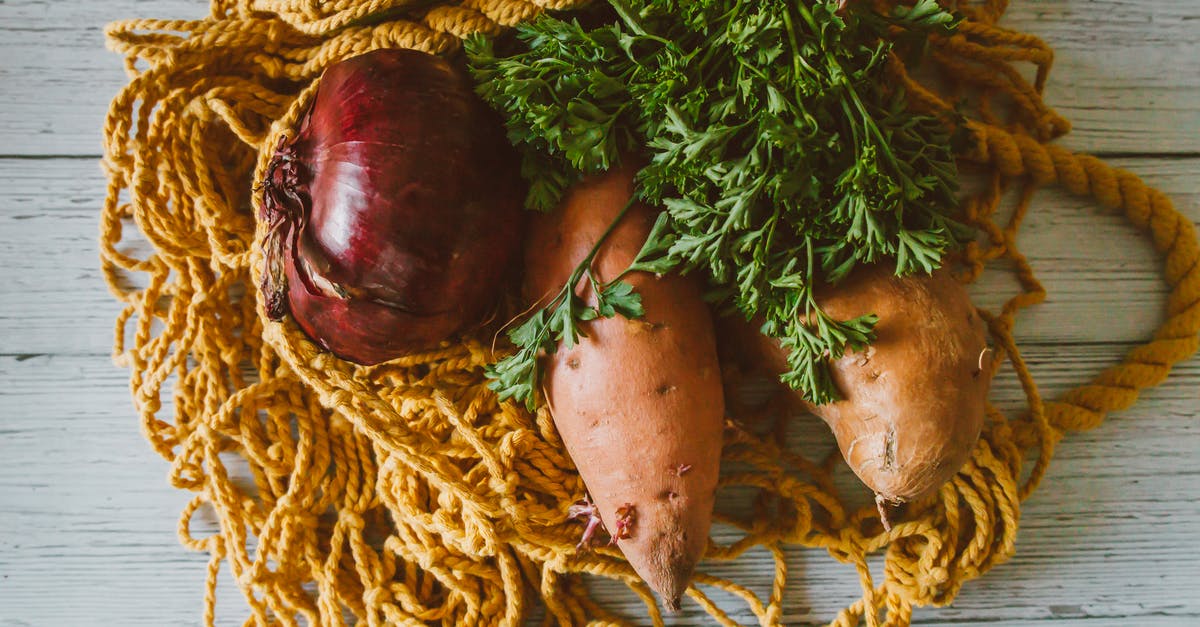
(638, 402)
(912, 401)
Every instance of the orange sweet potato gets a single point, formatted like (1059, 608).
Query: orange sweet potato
(638, 403)
(913, 401)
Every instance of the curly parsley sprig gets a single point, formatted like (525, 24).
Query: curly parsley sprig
(781, 157)
(517, 376)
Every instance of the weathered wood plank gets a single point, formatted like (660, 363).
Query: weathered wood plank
(52, 298)
(1112, 532)
(57, 74)
(1111, 538)
(87, 533)
(1123, 73)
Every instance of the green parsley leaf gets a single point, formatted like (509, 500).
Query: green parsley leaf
(767, 131)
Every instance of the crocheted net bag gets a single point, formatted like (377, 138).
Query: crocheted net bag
(405, 493)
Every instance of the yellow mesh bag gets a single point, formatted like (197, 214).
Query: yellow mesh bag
(404, 493)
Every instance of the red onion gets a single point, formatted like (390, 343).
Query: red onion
(395, 211)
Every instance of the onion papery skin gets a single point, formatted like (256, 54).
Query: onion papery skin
(394, 213)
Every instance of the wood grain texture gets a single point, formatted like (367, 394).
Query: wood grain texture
(1112, 533)
(54, 301)
(87, 520)
(1121, 74)
(57, 76)
(1124, 72)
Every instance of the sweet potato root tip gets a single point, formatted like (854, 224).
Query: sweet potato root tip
(670, 567)
(882, 505)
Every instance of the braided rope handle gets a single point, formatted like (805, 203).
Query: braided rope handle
(1150, 210)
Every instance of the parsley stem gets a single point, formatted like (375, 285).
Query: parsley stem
(587, 262)
(626, 15)
(796, 57)
(585, 265)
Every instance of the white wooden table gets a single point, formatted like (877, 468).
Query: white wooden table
(87, 521)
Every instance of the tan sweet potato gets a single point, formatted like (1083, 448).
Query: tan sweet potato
(638, 403)
(913, 401)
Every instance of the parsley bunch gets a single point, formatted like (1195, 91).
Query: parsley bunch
(779, 155)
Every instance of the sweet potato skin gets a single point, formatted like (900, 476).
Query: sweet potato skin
(638, 403)
(913, 402)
